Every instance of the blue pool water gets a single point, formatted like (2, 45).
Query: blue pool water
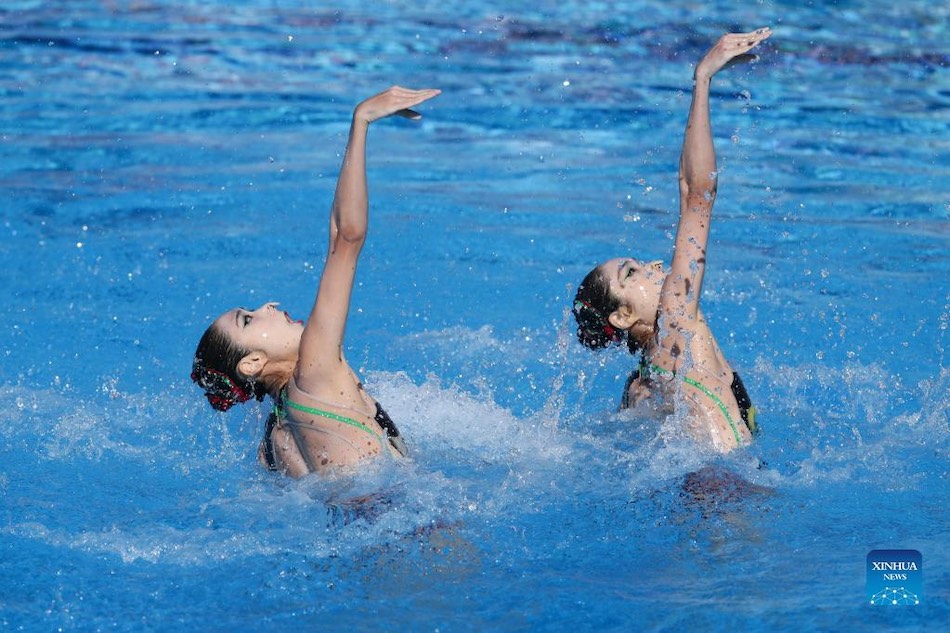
(163, 161)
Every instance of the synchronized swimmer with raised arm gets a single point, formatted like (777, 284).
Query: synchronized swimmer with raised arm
(323, 418)
(656, 310)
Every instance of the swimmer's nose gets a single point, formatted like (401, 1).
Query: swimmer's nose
(270, 305)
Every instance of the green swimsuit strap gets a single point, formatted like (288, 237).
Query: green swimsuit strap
(323, 414)
(722, 405)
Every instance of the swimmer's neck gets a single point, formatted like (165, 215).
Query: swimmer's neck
(275, 375)
(644, 334)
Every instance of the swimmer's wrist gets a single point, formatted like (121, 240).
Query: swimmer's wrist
(359, 125)
(701, 75)
(361, 116)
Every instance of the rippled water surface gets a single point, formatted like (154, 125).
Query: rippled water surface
(164, 161)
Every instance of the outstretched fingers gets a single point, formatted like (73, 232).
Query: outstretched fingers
(394, 100)
(744, 42)
(731, 49)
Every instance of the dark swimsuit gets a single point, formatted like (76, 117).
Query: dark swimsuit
(267, 444)
(746, 408)
(382, 419)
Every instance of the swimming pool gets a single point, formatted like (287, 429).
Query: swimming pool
(161, 160)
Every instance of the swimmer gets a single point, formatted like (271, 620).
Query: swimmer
(323, 418)
(655, 309)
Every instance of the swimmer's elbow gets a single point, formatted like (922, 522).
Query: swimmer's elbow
(699, 201)
(698, 191)
(351, 232)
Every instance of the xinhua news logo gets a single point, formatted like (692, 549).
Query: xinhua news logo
(895, 577)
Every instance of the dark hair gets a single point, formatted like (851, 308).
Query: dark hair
(593, 304)
(215, 370)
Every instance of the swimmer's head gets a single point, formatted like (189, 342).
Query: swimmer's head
(246, 353)
(618, 297)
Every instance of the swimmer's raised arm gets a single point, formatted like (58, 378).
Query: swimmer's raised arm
(322, 339)
(697, 179)
(350, 203)
(656, 311)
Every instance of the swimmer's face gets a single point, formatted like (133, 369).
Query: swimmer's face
(266, 329)
(634, 283)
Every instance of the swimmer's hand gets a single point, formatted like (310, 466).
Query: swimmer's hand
(731, 49)
(396, 100)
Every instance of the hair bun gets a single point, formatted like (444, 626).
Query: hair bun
(220, 403)
(222, 393)
(593, 328)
